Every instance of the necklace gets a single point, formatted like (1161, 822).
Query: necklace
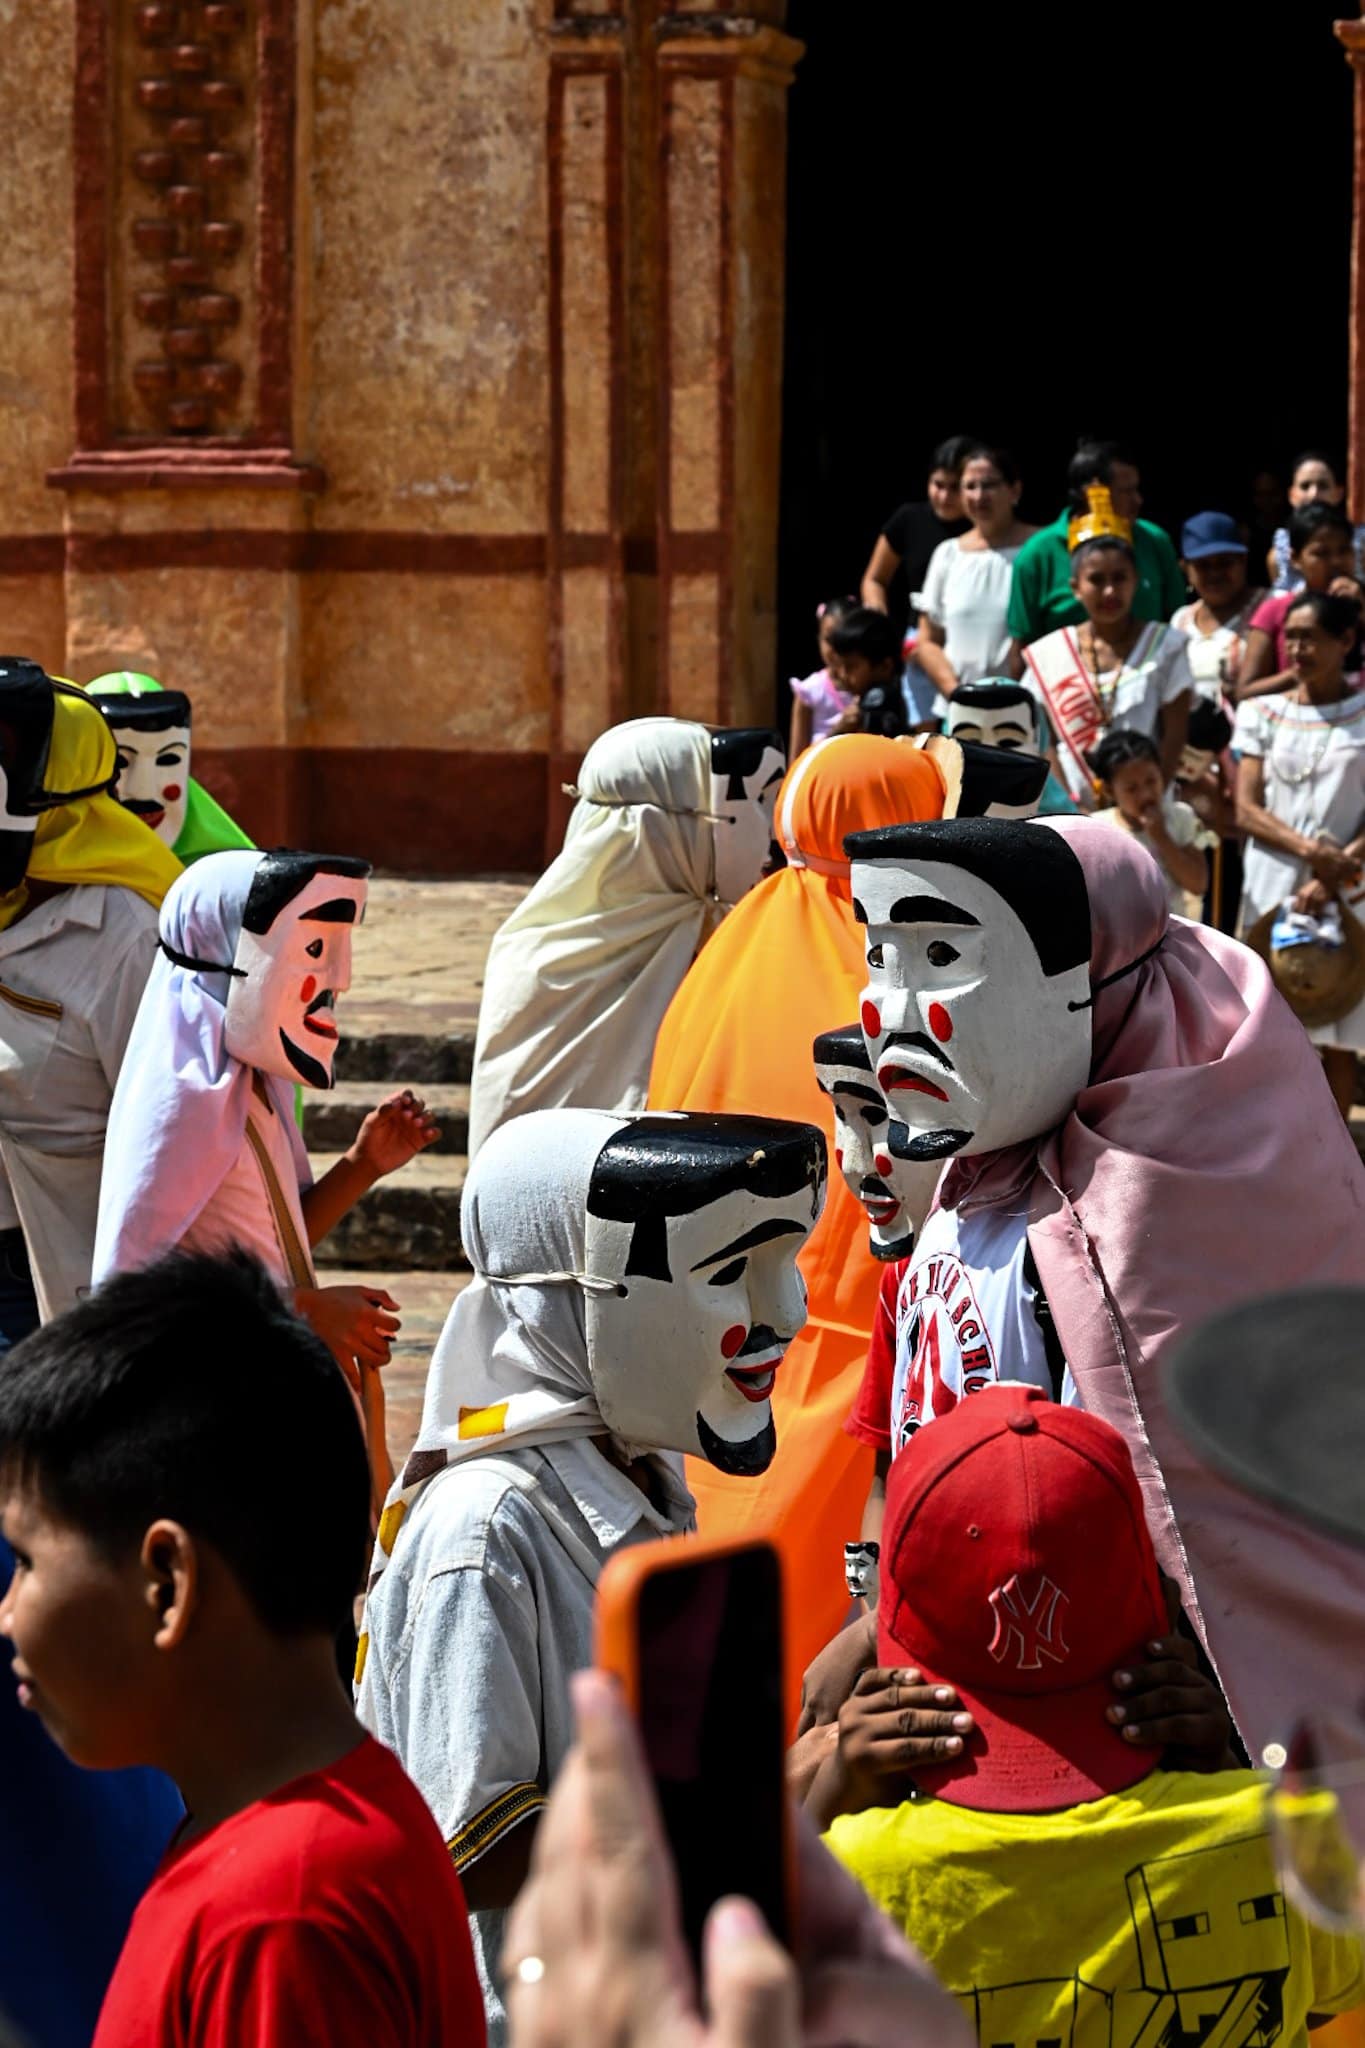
(1293, 778)
(1106, 685)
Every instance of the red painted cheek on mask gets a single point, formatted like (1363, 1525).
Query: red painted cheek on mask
(171, 793)
(940, 1023)
(872, 1020)
(309, 989)
(731, 1341)
(882, 1163)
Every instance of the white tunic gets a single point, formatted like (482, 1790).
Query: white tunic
(240, 1211)
(966, 1318)
(71, 977)
(967, 594)
(1314, 781)
(1155, 672)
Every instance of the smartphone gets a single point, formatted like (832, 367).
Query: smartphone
(693, 1631)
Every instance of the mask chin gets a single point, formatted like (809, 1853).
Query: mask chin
(744, 1460)
(899, 1245)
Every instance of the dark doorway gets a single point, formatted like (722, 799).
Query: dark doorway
(1033, 223)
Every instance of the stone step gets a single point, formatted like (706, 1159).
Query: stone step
(374, 1050)
(410, 1221)
(330, 1121)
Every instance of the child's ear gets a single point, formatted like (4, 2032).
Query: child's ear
(170, 1568)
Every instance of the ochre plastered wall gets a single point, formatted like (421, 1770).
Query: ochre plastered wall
(400, 378)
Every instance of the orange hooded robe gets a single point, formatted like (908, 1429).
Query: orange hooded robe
(787, 964)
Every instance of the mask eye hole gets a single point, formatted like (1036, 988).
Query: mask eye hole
(874, 1118)
(941, 954)
(314, 951)
(727, 1275)
(874, 956)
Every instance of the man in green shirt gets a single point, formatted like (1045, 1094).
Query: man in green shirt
(1041, 596)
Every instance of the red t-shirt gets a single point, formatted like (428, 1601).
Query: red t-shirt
(870, 1421)
(1269, 617)
(329, 1913)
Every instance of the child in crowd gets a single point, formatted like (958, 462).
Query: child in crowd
(1314, 480)
(1322, 548)
(181, 1579)
(1214, 558)
(1163, 1902)
(1134, 797)
(886, 700)
(819, 701)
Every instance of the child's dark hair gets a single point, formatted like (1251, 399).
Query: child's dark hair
(1101, 540)
(1311, 520)
(1337, 616)
(1210, 727)
(985, 451)
(189, 1390)
(1093, 463)
(1328, 462)
(866, 632)
(1117, 749)
(952, 453)
(833, 609)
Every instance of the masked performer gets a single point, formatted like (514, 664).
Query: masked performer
(80, 882)
(203, 1148)
(151, 728)
(635, 1289)
(785, 965)
(1137, 1135)
(998, 713)
(673, 824)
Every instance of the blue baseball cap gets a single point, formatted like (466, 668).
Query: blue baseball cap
(1210, 533)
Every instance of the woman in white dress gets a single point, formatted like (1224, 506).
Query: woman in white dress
(963, 633)
(1301, 795)
(1112, 672)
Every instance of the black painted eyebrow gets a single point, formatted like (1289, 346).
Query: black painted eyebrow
(929, 910)
(762, 1233)
(341, 910)
(872, 1095)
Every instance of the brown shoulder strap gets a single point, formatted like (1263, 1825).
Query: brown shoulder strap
(295, 1256)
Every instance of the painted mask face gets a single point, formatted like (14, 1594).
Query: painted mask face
(977, 1009)
(293, 960)
(152, 734)
(994, 715)
(747, 766)
(25, 738)
(685, 1355)
(999, 782)
(844, 1072)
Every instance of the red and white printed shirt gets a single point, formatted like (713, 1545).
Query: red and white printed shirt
(959, 1314)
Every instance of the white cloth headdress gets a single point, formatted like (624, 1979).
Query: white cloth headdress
(580, 975)
(180, 1105)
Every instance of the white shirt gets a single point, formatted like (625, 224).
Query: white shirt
(239, 1212)
(475, 1627)
(967, 594)
(1215, 657)
(966, 1318)
(71, 977)
(1186, 828)
(1155, 672)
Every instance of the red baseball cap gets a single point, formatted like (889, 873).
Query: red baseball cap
(1017, 1568)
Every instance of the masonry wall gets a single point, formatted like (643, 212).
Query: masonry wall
(400, 379)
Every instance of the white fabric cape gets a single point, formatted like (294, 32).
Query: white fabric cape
(579, 977)
(180, 1107)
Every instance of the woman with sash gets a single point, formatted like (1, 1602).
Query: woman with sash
(1110, 673)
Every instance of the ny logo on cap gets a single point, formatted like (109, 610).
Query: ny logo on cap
(1034, 1625)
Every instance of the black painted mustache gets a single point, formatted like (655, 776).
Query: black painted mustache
(917, 1041)
(906, 1144)
(762, 1337)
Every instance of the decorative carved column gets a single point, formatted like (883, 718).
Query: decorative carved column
(186, 505)
(1352, 36)
(723, 84)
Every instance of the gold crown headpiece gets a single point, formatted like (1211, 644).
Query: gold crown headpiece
(1100, 522)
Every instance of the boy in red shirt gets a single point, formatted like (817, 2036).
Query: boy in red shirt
(186, 1492)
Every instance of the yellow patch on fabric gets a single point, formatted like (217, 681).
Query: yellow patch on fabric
(390, 1522)
(483, 1421)
(362, 1650)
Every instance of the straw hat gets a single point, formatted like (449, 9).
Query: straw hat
(1321, 984)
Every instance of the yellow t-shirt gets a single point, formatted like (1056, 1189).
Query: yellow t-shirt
(1140, 1921)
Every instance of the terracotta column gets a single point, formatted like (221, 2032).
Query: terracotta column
(1352, 36)
(723, 84)
(185, 508)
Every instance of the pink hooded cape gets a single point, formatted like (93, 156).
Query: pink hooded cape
(1205, 1164)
